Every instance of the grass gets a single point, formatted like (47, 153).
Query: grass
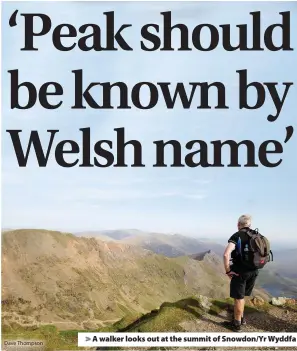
(218, 306)
(168, 317)
(53, 339)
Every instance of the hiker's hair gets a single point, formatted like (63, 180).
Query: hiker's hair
(245, 221)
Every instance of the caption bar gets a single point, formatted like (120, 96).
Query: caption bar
(187, 339)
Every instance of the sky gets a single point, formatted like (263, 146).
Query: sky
(202, 202)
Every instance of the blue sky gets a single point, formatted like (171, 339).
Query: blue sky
(199, 202)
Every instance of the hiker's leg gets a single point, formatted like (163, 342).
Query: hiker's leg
(237, 292)
(250, 283)
(249, 286)
(238, 309)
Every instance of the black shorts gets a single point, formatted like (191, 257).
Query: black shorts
(243, 284)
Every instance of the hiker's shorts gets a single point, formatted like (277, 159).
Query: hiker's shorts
(243, 285)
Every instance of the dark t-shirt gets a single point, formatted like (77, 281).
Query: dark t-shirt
(240, 239)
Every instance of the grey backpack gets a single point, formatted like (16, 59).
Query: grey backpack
(258, 252)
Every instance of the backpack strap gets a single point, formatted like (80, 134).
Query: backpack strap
(247, 231)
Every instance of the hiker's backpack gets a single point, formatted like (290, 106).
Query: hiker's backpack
(258, 253)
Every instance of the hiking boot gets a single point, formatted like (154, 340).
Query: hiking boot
(243, 321)
(233, 326)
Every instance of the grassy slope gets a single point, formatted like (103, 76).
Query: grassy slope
(56, 277)
(169, 316)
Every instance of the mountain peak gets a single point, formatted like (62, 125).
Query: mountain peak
(201, 256)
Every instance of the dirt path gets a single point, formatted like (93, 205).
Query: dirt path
(29, 321)
(80, 324)
(273, 320)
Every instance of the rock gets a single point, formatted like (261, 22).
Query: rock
(257, 301)
(190, 326)
(279, 301)
(204, 302)
(291, 302)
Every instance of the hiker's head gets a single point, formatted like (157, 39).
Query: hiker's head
(244, 221)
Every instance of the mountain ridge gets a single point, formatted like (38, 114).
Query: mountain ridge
(65, 278)
(279, 277)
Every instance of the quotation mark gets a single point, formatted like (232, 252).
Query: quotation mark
(12, 20)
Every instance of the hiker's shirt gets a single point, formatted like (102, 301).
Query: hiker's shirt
(240, 239)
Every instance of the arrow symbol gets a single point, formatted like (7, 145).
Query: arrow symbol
(87, 338)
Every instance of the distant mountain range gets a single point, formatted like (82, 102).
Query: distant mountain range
(170, 245)
(279, 277)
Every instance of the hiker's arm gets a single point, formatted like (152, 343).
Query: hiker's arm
(230, 247)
